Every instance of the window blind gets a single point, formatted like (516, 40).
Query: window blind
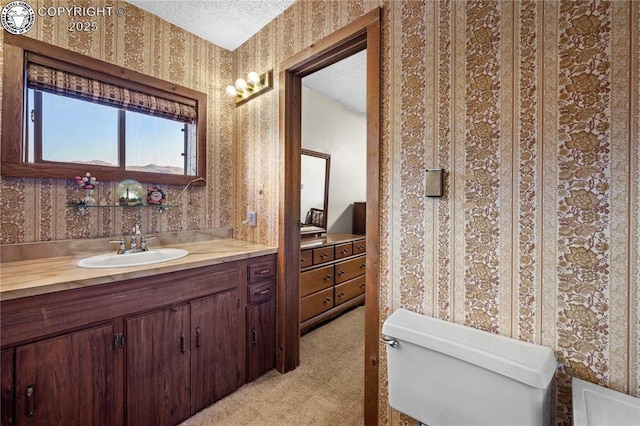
(62, 82)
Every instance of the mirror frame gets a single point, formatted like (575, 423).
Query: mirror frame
(327, 158)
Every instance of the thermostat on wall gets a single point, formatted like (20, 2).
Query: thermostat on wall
(434, 182)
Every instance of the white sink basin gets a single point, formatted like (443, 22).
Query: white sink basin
(595, 405)
(113, 260)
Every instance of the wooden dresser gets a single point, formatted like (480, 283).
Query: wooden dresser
(332, 277)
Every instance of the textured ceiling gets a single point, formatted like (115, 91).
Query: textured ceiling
(229, 23)
(226, 23)
(344, 81)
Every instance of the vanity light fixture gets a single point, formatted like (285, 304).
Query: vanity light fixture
(255, 84)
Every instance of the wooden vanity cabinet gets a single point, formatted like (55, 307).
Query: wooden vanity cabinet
(158, 367)
(332, 277)
(68, 377)
(6, 387)
(261, 318)
(153, 350)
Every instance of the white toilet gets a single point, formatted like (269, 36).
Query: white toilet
(442, 373)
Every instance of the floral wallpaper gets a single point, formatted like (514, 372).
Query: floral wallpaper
(34, 210)
(531, 107)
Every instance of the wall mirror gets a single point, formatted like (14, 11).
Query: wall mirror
(314, 191)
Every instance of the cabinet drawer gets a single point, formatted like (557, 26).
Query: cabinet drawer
(359, 246)
(316, 280)
(350, 289)
(306, 258)
(323, 254)
(343, 250)
(260, 291)
(350, 269)
(261, 270)
(316, 303)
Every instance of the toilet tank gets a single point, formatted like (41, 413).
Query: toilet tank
(442, 373)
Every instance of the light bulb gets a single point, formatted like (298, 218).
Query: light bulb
(241, 85)
(231, 91)
(253, 78)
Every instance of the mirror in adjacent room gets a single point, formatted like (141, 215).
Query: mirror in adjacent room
(314, 192)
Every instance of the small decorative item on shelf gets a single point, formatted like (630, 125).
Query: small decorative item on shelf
(88, 183)
(130, 193)
(156, 196)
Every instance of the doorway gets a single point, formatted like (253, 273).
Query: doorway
(363, 33)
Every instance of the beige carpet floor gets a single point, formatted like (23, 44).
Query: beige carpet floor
(326, 389)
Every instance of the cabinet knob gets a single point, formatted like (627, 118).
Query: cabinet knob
(340, 295)
(326, 301)
(30, 402)
(344, 251)
(198, 333)
(363, 265)
(183, 341)
(324, 255)
(326, 277)
(340, 273)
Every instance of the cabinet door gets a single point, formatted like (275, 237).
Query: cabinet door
(68, 379)
(158, 367)
(216, 348)
(261, 338)
(6, 387)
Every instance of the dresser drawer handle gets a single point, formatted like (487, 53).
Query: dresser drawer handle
(362, 285)
(340, 295)
(344, 251)
(264, 271)
(363, 265)
(324, 255)
(326, 301)
(326, 277)
(360, 247)
(340, 273)
(261, 292)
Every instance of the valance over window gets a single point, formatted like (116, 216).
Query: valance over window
(61, 82)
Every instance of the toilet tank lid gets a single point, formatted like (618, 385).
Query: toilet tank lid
(525, 362)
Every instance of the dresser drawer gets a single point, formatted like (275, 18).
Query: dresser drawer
(343, 250)
(316, 280)
(350, 289)
(359, 246)
(316, 303)
(261, 270)
(348, 269)
(322, 254)
(258, 292)
(306, 258)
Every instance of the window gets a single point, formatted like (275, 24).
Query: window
(82, 115)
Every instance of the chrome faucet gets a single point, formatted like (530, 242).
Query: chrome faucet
(136, 237)
(135, 232)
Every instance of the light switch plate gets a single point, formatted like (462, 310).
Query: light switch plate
(434, 182)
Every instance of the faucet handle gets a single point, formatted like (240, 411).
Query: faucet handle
(122, 247)
(143, 241)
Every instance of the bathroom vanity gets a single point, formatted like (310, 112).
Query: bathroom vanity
(332, 277)
(147, 345)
